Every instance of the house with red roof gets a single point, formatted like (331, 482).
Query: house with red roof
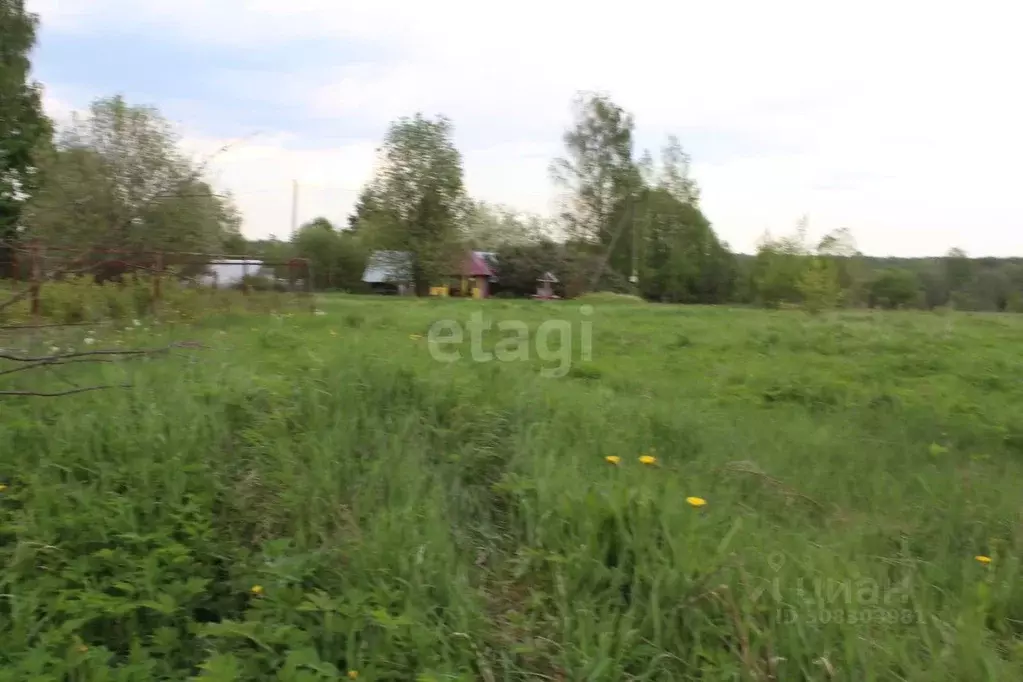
(476, 275)
(387, 271)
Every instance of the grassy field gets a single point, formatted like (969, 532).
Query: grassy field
(316, 497)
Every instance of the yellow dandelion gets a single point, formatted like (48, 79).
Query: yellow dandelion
(613, 459)
(257, 590)
(82, 648)
(696, 501)
(649, 460)
(983, 559)
(353, 674)
(3, 488)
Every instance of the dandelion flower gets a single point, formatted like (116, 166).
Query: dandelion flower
(613, 459)
(3, 488)
(257, 590)
(82, 648)
(649, 460)
(353, 674)
(696, 501)
(983, 559)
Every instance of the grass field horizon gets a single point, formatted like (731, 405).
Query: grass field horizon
(316, 497)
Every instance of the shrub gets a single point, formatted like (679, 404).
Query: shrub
(78, 300)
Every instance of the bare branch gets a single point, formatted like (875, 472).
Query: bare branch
(97, 356)
(57, 362)
(96, 353)
(19, 327)
(60, 394)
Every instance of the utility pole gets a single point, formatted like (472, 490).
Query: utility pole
(635, 254)
(294, 207)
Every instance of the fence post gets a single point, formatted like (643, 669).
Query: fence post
(309, 286)
(16, 269)
(158, 267)
(37, 279)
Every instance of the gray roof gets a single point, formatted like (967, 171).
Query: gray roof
(386, 266)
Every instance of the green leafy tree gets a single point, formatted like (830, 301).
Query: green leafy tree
(895, 288)
(234, 242)
(674, 177)
(959, 271)
(839, 249)
(520, 266)
(116, 179)
(643, 215)
(600, 177)
(683, 260)
(420, 198)
(819, 284)
(336, 258)
(990, 290)
(778, 268)
(934, 284)
(647, 169)
(367, 210)
(24, 129)
(489, 227)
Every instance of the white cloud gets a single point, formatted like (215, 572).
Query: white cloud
(261, 173)
(896, 119)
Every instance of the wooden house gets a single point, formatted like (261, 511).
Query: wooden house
(386, 272)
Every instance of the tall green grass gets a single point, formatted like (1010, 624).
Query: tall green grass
(314, 495)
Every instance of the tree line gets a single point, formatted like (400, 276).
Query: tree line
(630, 223)
(630, 220)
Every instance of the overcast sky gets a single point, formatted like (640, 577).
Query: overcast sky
(902, 121)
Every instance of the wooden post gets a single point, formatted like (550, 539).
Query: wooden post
(158, 267)
(15, 269)
(37, 278)
(309, 286)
